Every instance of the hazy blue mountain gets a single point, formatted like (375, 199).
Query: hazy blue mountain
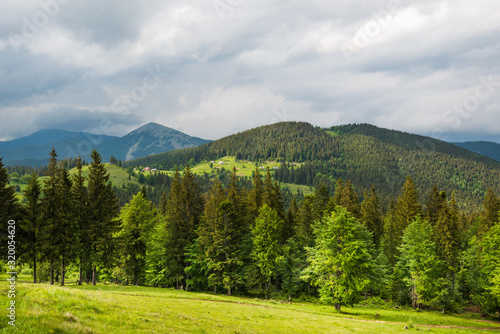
(149, 139)
(34, 149)
(486, 148)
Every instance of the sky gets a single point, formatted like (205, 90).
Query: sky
(214, 68)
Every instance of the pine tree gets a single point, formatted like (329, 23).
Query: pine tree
(65, 221)
(371, 216)
(79, 199)
(50, 213)
(174, 256)
(406, 209)
(223, 253)
(272, 195)
(447, 237)
(103, 210)
(306, 217)
(255, 197)
(491, 207)
(9, 207)
(31, 223)
(184, 210)
(435, 203)
(163, 204)
(291, 220)
(207, 228)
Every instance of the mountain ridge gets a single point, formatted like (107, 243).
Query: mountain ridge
(148, 139)
(362, 153)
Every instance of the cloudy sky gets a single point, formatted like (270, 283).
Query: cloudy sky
(212, 68)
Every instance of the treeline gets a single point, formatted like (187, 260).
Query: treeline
(243, 240)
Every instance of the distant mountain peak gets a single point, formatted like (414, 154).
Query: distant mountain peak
(155, 129)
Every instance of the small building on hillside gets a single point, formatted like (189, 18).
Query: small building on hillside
(146, 169)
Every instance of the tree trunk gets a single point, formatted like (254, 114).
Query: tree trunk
(215, 289)
(229, 291)
(94, 279)
(177, 283)
(51, 275)
(80, 276)
(34, 270)
(62, 271)
(289, 297)
(337, 307)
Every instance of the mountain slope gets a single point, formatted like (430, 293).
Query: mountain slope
(362, 153)
(486, 148)
(149, 139)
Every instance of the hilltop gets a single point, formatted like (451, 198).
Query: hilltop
(363, 153)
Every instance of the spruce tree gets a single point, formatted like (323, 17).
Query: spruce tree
(435, 203)
(255, 197)
(371, 216)
(31, 223)
(102, 210)
(447, 237)
(50, 215)
(9, 207)
(79, 199)
(223, 253)
(65, 221)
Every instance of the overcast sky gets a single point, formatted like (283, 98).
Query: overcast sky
(212, 68)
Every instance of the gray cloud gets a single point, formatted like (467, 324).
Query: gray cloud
(226, 66)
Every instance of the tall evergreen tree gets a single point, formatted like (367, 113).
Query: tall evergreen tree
(435, 203)
(79, 198)
(223, 253)
(31, 223)
(371, 216)
(66, 227)
(255, 197)
(447, 236)
(406, 209)
(50, 204)
(103, 210)
(9, 207)
(491, 208)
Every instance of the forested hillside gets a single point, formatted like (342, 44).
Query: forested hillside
(364, 154)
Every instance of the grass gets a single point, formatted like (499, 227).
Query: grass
(120, 309)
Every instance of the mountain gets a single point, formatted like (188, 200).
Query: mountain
(486, 148)
(34, 149)
(363, 153)
(149, 139)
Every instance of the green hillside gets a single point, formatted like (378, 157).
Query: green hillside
(363, 153)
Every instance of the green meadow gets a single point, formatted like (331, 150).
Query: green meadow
(42, 308)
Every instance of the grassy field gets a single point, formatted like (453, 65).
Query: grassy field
(42, 308)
